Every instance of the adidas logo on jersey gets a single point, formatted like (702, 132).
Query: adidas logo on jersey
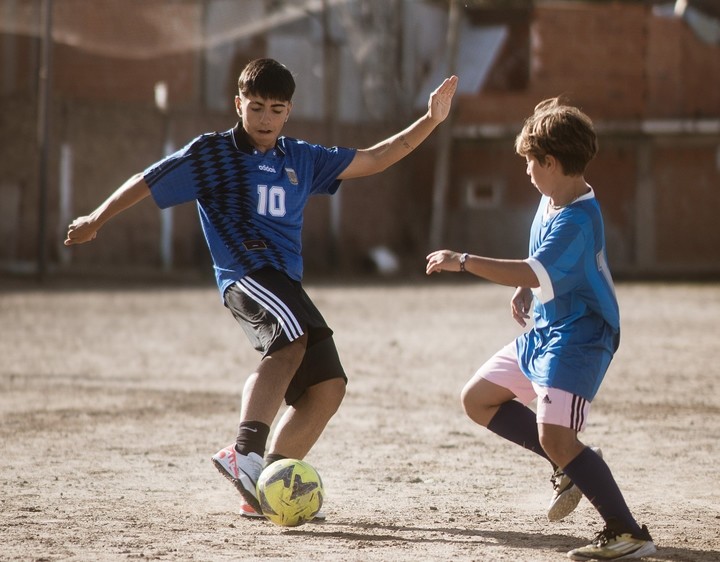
(265, 168)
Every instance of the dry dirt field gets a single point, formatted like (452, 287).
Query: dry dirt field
(115, 395)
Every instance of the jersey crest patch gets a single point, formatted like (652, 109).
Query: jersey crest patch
(292, 176)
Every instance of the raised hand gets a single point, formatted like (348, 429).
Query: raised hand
(441, 99)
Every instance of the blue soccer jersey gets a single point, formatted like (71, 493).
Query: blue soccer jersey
(576, 318)
(250, 204)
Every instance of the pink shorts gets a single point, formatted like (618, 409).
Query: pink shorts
(554, 406)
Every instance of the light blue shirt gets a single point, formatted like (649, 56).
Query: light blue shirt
(575, 312)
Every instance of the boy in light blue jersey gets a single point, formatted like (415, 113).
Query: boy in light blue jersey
(562, 359)
(251, 186)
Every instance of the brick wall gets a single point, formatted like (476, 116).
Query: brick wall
(623, 65)
(617, 61)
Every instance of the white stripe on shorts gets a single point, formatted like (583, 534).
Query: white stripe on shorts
(277, 308)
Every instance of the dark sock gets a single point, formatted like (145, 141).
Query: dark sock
(518, 423)
(272, 457)
(251, 438)
(591, 474)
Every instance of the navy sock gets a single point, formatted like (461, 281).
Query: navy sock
(252, 437)
(591, 474)
(272, 457)
(518, 423)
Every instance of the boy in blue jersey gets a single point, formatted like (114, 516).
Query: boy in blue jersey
(562, 359)
(251, 186)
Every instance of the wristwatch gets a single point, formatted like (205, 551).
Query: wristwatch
(463, 257)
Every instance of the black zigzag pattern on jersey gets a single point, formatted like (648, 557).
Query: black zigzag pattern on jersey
(222, 179)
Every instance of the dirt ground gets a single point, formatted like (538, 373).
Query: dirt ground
(115, 395)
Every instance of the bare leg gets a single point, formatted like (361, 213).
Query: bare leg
(481, 399)
(560, 443)
(303, 422)
(265, 388)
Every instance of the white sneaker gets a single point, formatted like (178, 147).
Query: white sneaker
(246, 510)
(242, 470)
(566, 495)
(613, 544)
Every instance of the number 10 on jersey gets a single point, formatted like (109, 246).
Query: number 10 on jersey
(271, 200)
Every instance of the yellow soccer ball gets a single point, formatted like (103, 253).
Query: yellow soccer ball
(290, 492)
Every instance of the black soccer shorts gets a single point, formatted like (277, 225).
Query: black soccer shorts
(274, 310)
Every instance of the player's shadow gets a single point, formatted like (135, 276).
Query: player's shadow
(375, 532)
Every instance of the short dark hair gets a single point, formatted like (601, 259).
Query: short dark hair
(268, 79)
(560, 130)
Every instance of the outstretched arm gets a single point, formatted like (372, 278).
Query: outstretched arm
(513, 273)
(84, 229)
(369, 161)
